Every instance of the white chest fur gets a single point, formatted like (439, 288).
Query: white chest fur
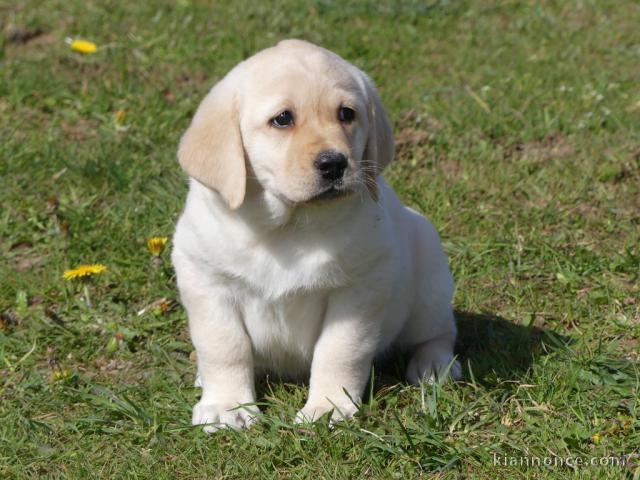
(284, 331)
(282, 293)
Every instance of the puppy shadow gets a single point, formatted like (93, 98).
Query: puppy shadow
(490, 349)
(494, 349)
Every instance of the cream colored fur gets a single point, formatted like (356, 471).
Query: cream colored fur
(276, 279)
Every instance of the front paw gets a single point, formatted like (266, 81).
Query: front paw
(215, 416)
(312, 412)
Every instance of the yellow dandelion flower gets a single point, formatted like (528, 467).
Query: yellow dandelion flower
(156, 245)
(84, 271)
(120, 116)
(595, 438)
(83, 46)
(60, 374)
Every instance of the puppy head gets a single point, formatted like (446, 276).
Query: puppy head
(309, 125)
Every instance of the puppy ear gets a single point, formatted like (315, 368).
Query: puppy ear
(379, 148)
(211, 150)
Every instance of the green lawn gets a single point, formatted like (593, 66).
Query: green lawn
(518, 133)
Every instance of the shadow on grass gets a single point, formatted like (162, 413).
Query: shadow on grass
(490, 348)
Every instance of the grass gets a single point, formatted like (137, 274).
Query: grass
(518, 131)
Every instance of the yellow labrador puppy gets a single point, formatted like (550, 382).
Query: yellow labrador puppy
(292, 254)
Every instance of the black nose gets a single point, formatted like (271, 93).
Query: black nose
(331, 165)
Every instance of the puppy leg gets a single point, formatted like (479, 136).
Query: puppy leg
(430, 332)
(225, 359)
(341, 360)
(225, 365)
(429, 338)
(431, 360)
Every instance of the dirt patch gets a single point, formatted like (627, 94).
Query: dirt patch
(450, 167)
(24, 257)
(181, 82)
(552, 146)
(22, 35)
(414, 130)
(24, 263)
(82, 129)
(36, 43)
(113, 366)
(411, 137)
(414, 145)
(630, 348)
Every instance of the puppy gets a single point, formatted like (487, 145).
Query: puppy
(292, 254)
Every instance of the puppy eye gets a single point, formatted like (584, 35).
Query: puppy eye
(283, 120)
(346, 114)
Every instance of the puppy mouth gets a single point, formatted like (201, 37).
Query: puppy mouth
(335, 191)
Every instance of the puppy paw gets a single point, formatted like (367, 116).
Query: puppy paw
(198, 381)
(432, 361)
(215, 416)
(313, 412)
